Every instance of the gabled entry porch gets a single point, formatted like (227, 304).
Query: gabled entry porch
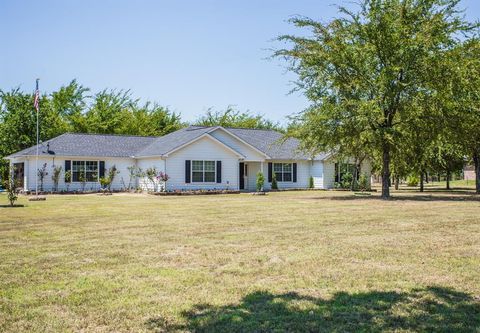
(248, 175)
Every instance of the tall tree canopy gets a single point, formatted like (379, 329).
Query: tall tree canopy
(72, 109)
(368, 73)
(231, 117)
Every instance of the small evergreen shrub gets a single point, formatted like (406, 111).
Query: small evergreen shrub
(260, 181)
(274, 182)
(310, 182)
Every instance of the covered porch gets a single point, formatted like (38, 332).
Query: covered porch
(248, 174)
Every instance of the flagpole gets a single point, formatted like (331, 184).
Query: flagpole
(36, 158)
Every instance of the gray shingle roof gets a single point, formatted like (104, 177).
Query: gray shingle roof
(164, 144)
(98, 145)
(269, 142)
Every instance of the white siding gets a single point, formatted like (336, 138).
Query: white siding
(253, 169)
(203, 149)
(31, 172)
(144, 164)
(316, 171)
(249, 153)
(328, 174)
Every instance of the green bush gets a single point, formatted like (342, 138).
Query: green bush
(347, 180)
(413, 180)
(260, 181)
(310, 182)
(274, 182)
(363, 184)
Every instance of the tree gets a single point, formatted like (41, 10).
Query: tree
(231, 117)
(465, 97)
(366, 69)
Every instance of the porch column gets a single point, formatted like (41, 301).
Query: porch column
(261, 167)
(25, 174)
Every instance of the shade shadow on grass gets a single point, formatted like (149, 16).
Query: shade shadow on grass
(10, 206)
(419, 197)
(430, 309)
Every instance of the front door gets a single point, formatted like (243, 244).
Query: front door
(241, 176)
(18, 173)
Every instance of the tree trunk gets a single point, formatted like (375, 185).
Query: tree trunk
(421, 181)
(386, 171)
(476, 162)
(397, 182)
(448, 179)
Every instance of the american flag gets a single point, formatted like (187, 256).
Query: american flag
(37, 98)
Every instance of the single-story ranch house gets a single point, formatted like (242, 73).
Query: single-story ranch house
(194, 158)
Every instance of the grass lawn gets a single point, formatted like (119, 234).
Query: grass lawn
(292, 261)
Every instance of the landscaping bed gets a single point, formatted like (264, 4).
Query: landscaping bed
(196, 192)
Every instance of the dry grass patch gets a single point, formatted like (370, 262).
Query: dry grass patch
(288, 261)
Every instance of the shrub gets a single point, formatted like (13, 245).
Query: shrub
(310, 182)
(68, 178)
(363, 184)
(112, 172)
(42, 173)
(347, 180)
(151, 174)
(260, 181)
(413, 180)
(9, 184)
(274, 182)
(105, 183)
(57, 170)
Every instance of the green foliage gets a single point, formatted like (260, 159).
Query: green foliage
(68, 176)
(347, 180)
(9, 184)
(310, 182)
(134, 172)
(260, 181)
(112, 172)
(70, 109)
(363, 183)
(274, 182)
(41, 174)
(57, 170)
(235, 118)
(105, 183)
(374, 76)
(413, 180)
(151, 174)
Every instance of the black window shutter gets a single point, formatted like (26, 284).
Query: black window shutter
(269, 172)
(219, 171)
(294, 172)
(68, 165)
(102, 169)
(187, 171)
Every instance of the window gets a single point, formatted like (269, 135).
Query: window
(283, 172)
(203, 171)
(341, 169)
(84, 171)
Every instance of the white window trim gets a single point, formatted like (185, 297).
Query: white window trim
(283, 172)
(203, 171)
(85, 171)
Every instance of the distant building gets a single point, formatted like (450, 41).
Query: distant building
(469, 172)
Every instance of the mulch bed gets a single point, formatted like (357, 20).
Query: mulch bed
(212, 192)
